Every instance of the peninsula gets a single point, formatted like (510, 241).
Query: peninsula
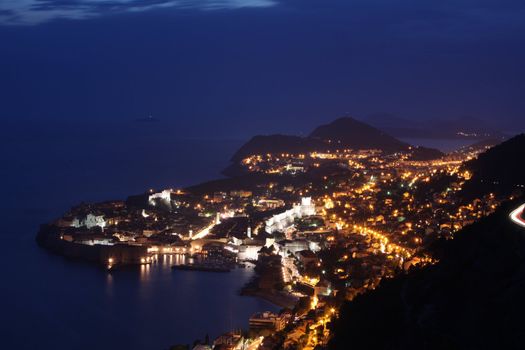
(323, 218)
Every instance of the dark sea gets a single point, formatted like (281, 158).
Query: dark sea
(49, 302)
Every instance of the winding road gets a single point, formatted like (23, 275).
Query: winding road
(518, 215)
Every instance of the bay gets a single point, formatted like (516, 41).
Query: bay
(51, 302)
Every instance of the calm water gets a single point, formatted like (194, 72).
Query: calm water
(50, 302)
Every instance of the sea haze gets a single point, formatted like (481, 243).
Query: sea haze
(68, 304)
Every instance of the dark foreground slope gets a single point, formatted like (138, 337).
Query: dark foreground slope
(501, 169)
(474, 298)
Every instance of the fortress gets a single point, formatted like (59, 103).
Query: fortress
(282, 221)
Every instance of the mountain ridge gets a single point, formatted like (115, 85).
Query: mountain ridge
(342, 133)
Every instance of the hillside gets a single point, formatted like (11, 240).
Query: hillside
(500, 169)
(343, 133)
(351, 133)
(421, 153)
(471, 299)
(278, 144)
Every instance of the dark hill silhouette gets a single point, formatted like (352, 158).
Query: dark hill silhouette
(501, 169)
(423, 153)
(342, 133)
(472, 299)
(352, 133)
(482, 144)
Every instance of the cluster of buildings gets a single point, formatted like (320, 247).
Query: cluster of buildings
(321, 228)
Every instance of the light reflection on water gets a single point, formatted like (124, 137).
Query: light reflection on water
(145, 307)
(161, 265)
(144, 273)
(68, 304)
(109, 285)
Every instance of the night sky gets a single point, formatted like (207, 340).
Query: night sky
(234, 68)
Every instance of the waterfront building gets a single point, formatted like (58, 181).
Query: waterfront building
(267, 321)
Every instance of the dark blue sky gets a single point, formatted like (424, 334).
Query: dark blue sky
(233, 68)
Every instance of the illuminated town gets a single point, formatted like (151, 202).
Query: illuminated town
(262, 174)
(319, 228)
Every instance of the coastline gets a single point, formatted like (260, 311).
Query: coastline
(265, 285)
(122, 254)
(48, 238)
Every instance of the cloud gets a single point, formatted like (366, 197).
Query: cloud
(28, 12)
